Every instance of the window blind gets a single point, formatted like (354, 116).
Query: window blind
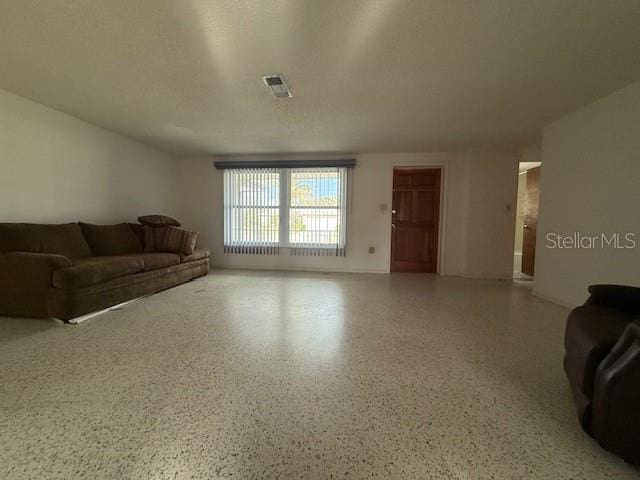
(301, 209)
(251, 211)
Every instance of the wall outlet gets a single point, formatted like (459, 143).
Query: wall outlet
(372, 249)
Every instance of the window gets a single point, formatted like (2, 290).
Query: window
(303, 209)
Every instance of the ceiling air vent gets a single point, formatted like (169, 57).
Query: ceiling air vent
(277, 85)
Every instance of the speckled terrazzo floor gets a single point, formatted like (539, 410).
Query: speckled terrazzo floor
(295, 375)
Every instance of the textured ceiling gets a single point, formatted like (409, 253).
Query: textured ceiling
(367, 76)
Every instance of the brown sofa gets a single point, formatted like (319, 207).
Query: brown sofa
(602, 362)
(64, 271)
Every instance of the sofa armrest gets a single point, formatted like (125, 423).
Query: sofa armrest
(620, 297)
(25, 279)
(615, 415)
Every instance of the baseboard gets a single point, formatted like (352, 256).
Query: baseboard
(468, 277)
(347, 270)
(300, 269)
(552, 299)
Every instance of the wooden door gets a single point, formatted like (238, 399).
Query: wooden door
(530, 226)
(414, 220)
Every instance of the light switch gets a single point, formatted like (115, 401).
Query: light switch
(372, 249)
(383, 207)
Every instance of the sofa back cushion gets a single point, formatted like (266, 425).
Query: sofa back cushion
(139, 231)
(107, 240)
(63, 239)
(620, 297)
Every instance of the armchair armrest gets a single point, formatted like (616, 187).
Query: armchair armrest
(620, 297)
(25, 279)
(615, 415)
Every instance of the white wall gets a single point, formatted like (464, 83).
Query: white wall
(493, 191)
(477, 228)
(591, 185)
(56, 168)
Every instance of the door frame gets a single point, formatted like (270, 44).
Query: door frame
(524, 226)
(524, 159)
(444, 187)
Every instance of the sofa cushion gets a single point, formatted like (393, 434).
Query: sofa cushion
(138, 230)
(158, 220)
(198, 254)
(116, 239)
(590, 334)
(155, 261)
(620, 297)
(93, 270)
(69, 303)
(63, 239)
(177, 240)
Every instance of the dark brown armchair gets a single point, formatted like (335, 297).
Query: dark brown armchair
(602, 362)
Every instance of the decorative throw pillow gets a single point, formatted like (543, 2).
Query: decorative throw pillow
(177, 240)
(153, 237)
(158, 220)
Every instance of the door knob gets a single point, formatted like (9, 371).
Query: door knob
(394, 211)
(525, 226)
(393, 225)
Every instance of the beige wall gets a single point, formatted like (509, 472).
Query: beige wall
(477, 227)
(591, 185)
(56, 168)
(493, 181)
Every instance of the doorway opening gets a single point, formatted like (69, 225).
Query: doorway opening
(415, 219)
(524, 249)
